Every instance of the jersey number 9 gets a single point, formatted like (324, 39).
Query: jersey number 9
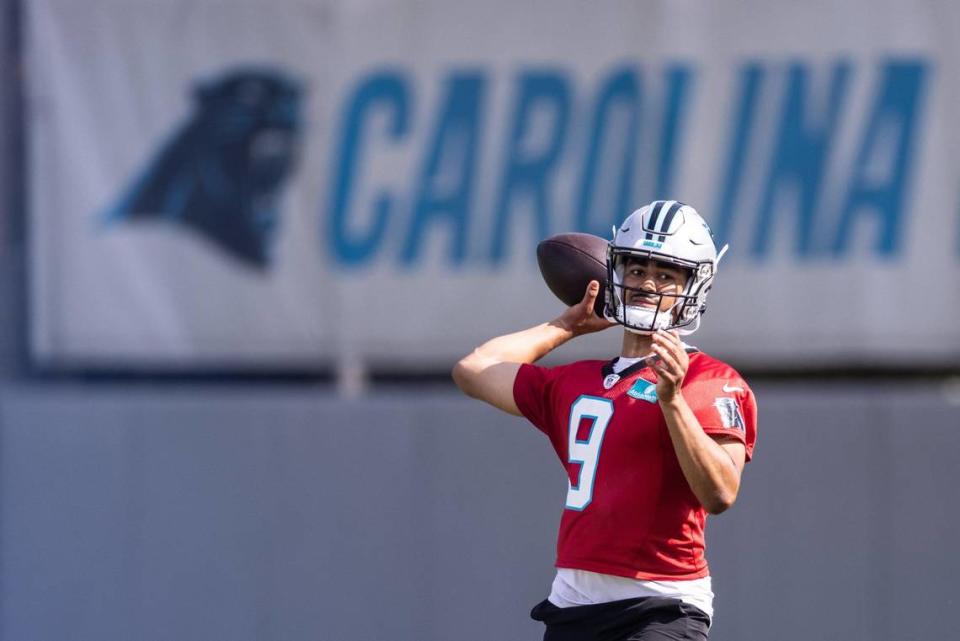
(586, 452)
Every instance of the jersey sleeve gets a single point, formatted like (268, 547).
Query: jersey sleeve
(532, 392)
(725, 406)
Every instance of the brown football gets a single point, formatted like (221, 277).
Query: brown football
(568, 262)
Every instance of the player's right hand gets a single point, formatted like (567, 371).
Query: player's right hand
(580, 318)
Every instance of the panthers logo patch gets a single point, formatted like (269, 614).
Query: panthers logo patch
(221, 173)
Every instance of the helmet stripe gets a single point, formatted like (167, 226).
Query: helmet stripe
(668, 219)
(657, 206)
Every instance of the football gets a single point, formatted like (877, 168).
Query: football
(568, 262)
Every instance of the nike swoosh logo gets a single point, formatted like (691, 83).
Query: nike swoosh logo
(728, 389)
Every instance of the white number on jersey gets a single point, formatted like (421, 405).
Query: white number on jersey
(598, 411)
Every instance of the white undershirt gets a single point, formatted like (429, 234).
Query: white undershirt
(623, 363)
(579, 587)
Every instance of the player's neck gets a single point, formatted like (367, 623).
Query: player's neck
(636, 345)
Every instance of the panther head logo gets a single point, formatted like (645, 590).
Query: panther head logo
(221, 172)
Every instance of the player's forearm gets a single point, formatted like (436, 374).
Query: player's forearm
(489, 372)
(526, 346)
(530, 345)
(708, 468)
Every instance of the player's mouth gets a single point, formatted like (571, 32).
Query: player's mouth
(637, 299)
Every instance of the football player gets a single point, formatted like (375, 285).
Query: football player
(651, 441)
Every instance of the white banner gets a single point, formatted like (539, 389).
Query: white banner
(284, 183)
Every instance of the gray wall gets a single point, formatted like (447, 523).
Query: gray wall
(212, 513)
(11, 242)
(6, 97)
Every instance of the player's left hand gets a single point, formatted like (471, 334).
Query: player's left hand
(670, 364)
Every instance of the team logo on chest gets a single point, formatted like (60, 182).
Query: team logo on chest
(644, 390)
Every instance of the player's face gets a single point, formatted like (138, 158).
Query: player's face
(653, 277)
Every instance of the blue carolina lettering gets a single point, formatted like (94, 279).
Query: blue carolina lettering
(751, 82)
(879, 179)
(678, 81)
(619, 93)
(447, 175)
(528, 171)
(386, 91)
(799, 157)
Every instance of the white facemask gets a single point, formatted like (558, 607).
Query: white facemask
(644, 317)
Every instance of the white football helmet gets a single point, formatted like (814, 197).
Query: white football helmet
(669, 232)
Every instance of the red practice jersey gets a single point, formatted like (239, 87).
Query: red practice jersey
(629, 510)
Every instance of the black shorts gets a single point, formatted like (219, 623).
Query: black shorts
(641, 619)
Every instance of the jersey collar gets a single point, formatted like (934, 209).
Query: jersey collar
(611, 378)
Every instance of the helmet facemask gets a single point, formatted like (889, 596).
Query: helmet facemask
(688, 303)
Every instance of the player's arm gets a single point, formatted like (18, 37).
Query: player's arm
(712, 466)
(489, 371)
